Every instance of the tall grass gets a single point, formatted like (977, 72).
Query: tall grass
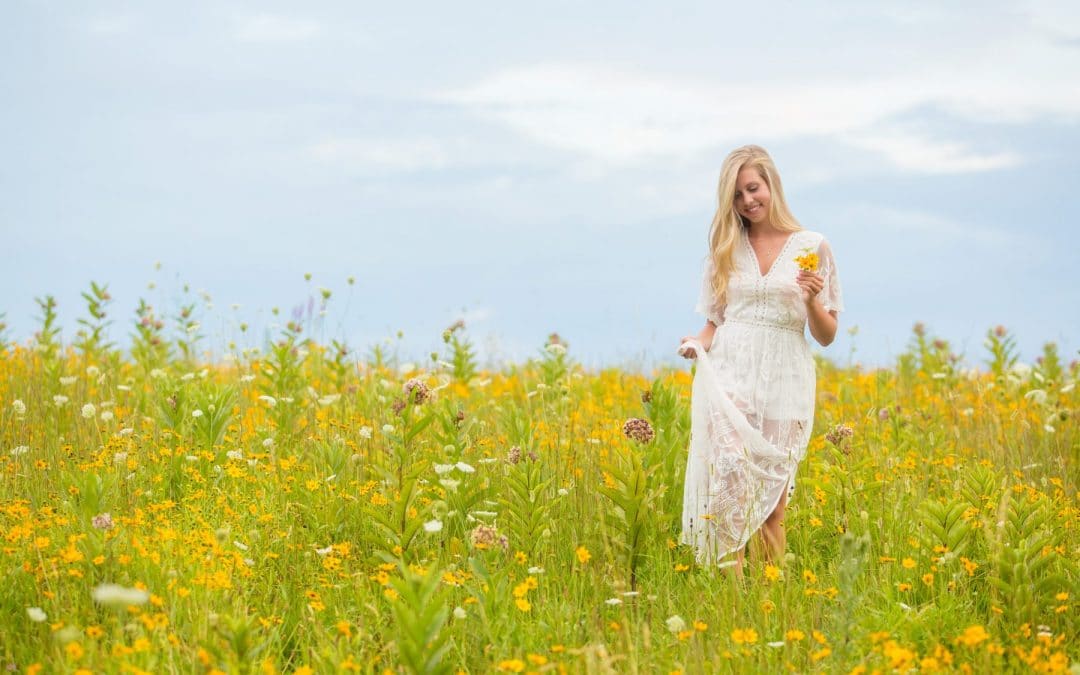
(296, 509)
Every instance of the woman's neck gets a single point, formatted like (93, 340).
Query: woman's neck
(763, 229)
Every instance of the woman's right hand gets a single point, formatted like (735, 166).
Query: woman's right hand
(688, 352)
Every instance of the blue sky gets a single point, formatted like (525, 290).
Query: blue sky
(548, 167)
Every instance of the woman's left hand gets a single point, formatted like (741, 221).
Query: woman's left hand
(811, 284)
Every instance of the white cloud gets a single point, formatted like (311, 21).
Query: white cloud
(935, 227)
(273, 28)
(621, 118)
(914, 153)
(408, 154)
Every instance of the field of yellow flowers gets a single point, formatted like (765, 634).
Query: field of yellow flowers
(298, 508)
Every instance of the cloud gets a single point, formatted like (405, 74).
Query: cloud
(407, 154)
(273, 28)
(914, 153)
(939, 228)
(622, 118)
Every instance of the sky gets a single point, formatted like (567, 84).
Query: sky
(548, 167)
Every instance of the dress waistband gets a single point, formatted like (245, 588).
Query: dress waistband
(765, 324)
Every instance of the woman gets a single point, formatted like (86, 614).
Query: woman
(766, 279)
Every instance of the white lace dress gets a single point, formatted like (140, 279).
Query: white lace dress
(753, 396)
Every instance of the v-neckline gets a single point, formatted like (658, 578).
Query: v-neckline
(757, 263)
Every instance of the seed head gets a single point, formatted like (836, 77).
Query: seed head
(417, 391)
(639, 430)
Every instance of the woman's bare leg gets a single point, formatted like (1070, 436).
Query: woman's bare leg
(772, 531)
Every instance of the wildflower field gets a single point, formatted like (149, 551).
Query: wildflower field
(300, 508)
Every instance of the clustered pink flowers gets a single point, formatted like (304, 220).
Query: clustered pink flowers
(638, 430)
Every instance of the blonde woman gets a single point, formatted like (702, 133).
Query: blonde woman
(766, 279)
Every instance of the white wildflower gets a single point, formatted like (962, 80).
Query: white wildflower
(126, 431)
(107, 416)
(406, 368)
(270, 401)
(88, 411)
(775, 645)
(186, 377)
(433, 526)
(68, 380)
(93, 371)
(240, 545)
(556, 349)
(536, 570)
(464, 468)
(324, 551)
(196, 413)
(443, 468)
(235, 454)
(388, 428)
(268, 443)
(59, 400)
(123, 387)
(675, 623)
(450, 484)
(459, 612)
(114, 595)
(329, 399)
(247, 378)
(20, 450)
(613, 602)
(19, 407)
(120, 457)
(563, 492)
(36, 614)
(157, 374)
(365, 432)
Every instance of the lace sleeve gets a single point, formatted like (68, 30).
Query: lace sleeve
(831, 296)
(707, 304)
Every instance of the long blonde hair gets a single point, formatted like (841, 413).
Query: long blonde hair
(727, 223)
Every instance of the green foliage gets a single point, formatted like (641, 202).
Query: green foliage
(216, 405)
(460, 353)
(670, 418)
(420, 614)
(526, 504)
(1003, 352)
(1048, 367)
(188, 333)
(149, 349)
(281, 377)
(554, 363)
(854, 551)
(632, 501)
(943, 525)
(1025, 570)
(47, 340)
(400, 525)
(90, 339)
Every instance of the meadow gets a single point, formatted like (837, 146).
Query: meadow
(299, 508)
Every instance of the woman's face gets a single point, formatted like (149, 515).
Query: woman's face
(752, 196)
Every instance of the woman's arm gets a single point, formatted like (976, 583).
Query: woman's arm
(822, 322)
(705, 337)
